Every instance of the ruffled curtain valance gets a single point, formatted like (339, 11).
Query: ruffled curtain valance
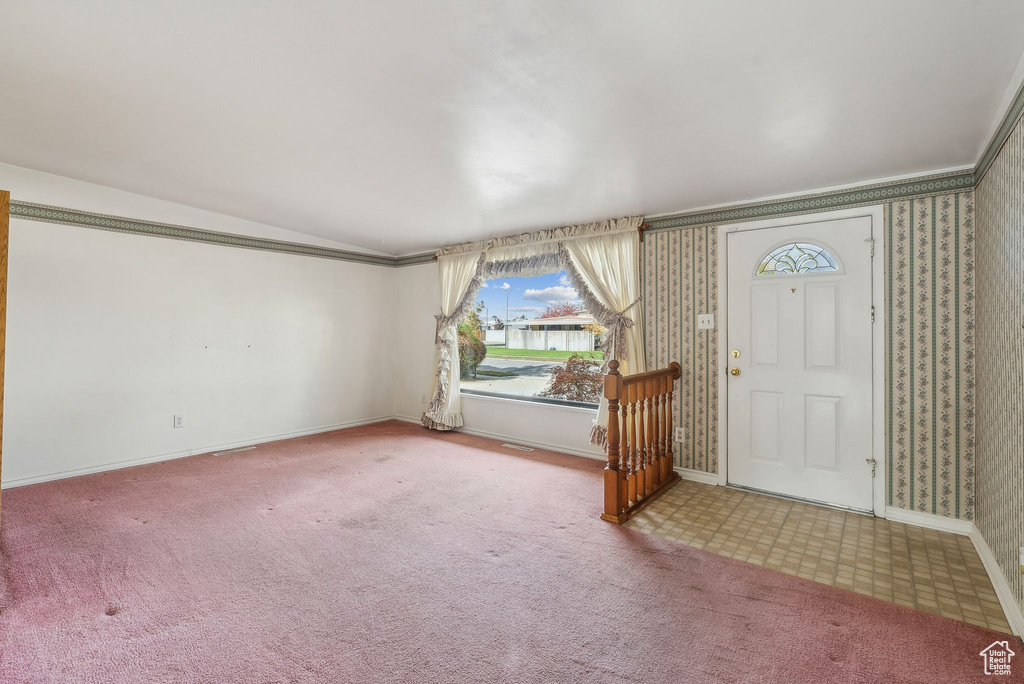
(602, 263)
(542, 241)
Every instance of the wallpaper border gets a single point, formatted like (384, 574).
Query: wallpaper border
(120, 224)
(875, 193)
(812, 202)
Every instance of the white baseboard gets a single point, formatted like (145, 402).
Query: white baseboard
(698, 476)
(1014, 614)
(928, 521)
(515, 440)
(117, 465)
(530, 443)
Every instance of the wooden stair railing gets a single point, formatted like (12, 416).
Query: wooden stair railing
(640, 439)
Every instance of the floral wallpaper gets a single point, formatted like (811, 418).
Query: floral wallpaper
(1001, 357)
(680, 280)
(930, 357)
(930, 360)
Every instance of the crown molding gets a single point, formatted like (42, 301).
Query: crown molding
(862, 195)
(414, 259)
(120, 224)
(1010, 119)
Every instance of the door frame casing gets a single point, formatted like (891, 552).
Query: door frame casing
(878, 329)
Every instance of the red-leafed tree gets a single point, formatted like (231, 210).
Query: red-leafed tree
(579, 379)
(565, 308)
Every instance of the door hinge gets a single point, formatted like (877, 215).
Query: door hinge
(872, 314)
(874, 464)
(871, 242)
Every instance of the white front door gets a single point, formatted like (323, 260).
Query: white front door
(799, 345)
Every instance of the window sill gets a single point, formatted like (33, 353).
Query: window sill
(579, 405)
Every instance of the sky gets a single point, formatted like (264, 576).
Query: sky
(526, 296)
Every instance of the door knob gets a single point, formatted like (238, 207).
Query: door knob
(734, 371)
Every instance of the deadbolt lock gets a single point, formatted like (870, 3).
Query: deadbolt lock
(734, 371)
(735, 353)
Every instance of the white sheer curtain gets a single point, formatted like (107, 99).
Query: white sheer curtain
(606, 272)
(460, 283)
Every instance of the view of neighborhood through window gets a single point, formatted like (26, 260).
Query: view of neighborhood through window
(532, 337)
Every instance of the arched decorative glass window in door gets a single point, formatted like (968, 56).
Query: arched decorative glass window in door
(797, 258)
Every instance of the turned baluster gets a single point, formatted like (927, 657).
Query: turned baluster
(666, 431)
(661, 425)
(636, 456)
(613, 480)
(652, 430)
(641, 452)
(628, 458)
(623, 429)
(652, 439)
(641, 440)
(627, 450)
(658, 450)
(666, 428)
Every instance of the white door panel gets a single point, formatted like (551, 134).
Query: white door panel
(821, 326)
(799, 411)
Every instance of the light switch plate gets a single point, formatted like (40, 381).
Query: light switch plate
(705, 321)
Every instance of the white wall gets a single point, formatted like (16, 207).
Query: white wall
(562, 340)
(555, 427)
(549, 426)
(494, 336)
(418, 296)
(109, 335)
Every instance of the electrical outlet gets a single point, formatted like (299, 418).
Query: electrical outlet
(1022, 559)
(680, 435)
(705, 321)
(179, 421)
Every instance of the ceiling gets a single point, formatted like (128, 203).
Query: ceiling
(405, 126)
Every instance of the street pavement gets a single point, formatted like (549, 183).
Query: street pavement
(531, 378)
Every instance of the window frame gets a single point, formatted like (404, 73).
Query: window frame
(533, 400)
(791, 243)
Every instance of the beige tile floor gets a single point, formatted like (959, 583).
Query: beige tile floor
(936, 572)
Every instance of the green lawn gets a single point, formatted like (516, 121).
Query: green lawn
(500, 352)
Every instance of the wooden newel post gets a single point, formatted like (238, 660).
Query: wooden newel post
(613, 477)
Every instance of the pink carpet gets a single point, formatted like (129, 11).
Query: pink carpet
(392, 554)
